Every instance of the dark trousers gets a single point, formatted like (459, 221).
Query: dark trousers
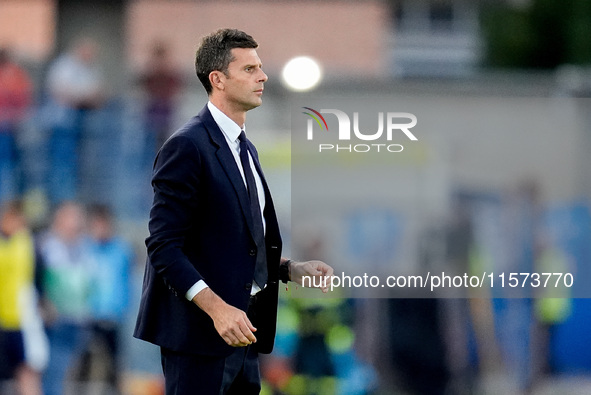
(236, 374)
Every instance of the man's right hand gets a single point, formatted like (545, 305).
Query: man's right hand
(231, 323)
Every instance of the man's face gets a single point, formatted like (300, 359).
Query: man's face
(100, 228)
(243, 85)
(87, 52)
(11, 222)
(69, 222)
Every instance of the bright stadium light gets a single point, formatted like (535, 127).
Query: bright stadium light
(301, 74)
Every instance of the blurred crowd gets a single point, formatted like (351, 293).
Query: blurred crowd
(60, 127)
(65, 294)
(65, 273)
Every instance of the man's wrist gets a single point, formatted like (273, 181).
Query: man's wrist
(195, 289)
(285, 271)
(208, 301)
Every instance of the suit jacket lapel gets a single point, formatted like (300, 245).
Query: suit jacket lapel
(228, 163)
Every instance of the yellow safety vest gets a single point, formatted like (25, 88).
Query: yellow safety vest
(17, 261)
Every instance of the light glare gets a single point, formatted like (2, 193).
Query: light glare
(301, 73)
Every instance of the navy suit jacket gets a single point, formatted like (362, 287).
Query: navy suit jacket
(200, 229)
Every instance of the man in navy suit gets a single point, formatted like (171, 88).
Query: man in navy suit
(210, 288)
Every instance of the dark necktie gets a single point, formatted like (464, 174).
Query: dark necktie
(260, 271)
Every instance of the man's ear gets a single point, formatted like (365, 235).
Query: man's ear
(217, 79)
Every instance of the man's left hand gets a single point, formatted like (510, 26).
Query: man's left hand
(317, 269)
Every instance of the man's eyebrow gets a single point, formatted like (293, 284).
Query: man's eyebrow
(253, 65)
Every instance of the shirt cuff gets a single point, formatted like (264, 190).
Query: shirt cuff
(195, 289)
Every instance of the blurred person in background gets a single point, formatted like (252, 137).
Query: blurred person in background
(161, 83)
(523, 210)
(23, 345)
(75, 89)
(15, 99)
(67, 281)
(111, 259)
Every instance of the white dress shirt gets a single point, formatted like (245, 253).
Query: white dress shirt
(231, 131)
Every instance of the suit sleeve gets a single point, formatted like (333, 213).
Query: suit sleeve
(175, 183)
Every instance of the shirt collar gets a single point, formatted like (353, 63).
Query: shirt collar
(230, 128)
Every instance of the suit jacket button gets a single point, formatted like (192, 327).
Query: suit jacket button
(252, 252)
(248, 286)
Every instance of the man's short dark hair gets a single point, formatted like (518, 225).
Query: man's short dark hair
(100, 211)
(214, 53)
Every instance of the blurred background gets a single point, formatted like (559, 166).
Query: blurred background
(90, 89)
